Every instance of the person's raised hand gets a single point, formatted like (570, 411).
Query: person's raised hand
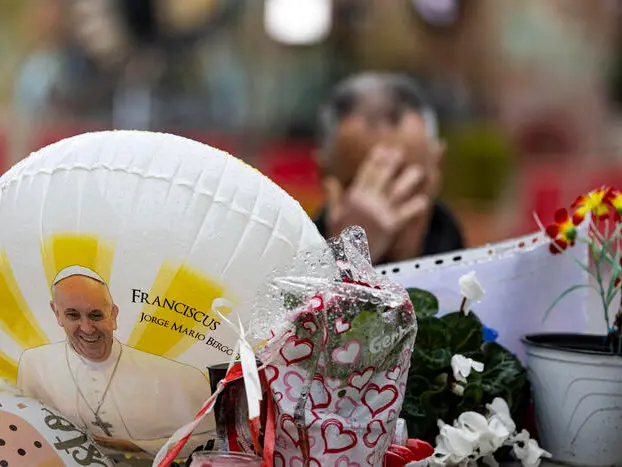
(384, 198)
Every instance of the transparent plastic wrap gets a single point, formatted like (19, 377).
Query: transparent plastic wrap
(337, 356)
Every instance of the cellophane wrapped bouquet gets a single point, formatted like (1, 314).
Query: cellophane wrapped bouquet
(339, 343)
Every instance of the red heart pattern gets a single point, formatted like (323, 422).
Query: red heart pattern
(341, 326)
(296, 350)
(349, 420)
(293, 384)
(316, 303)
(279, 460)
(348, 354)
(359, 379)
(320, 397)
(288, 425)
(344, 461)
(394, 373)
(272, 373)
(375, 458)
(309, 325)
(375, 430)
(336, 438)
(377, 399)
(332, 384)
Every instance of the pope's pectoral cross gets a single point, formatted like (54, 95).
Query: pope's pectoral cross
(105, 427)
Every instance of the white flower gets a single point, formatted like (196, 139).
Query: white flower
(491, 437)
(454, 445)
(470, 288)
(499, 412)
(490, 460)
(462, 366)
(527, 450)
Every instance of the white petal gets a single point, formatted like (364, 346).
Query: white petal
(498, 427)
(470, 288)
(490, 461)
(473, 421)
(460, 443)
(499, 406)
(477, 366)
(530, 454)
(522, 436)
(457, 389)
(499, 409)
(461, 367)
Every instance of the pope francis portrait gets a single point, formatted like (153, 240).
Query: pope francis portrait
(129, 400)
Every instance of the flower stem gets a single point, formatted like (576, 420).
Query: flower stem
(463, 305)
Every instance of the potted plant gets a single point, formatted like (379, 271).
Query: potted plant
(465, 394)
(577, 378)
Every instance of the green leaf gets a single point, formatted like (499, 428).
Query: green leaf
(466, 332)
(472, 397)
(435, 359)
(413, 408)
(429, 396)
(585, 269)
(423, 407)
(417, 384)
(616, 270)
(432, 334)
(424, 302)
(566, 292)
(503, 375)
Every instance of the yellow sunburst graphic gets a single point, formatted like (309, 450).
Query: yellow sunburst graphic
(16, 319)
(180, 295)
(8, 368)
(183, 297)
(70, 249)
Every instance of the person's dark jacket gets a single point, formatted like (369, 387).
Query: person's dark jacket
(443, 236)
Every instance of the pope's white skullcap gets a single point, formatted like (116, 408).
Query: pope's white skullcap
(77, 271)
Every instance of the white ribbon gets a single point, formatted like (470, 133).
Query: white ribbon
(252, 383)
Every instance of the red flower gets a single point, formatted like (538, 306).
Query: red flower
(594, 202)
(563, 232)
(614, 199)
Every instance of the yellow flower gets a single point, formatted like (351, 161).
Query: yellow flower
(595, 202)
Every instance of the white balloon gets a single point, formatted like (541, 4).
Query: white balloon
(170, 225)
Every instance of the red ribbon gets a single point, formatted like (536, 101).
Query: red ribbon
(233, 374)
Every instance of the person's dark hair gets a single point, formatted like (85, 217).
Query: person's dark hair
(402, 92)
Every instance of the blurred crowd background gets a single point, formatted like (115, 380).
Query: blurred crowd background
(527, 91)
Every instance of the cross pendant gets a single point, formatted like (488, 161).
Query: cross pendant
(105, 427)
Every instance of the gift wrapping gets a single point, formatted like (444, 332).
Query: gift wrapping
(338, 363)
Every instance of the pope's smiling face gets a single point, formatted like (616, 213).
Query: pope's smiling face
(85, 310)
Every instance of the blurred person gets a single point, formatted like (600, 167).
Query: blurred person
(41, 69)
(381, 158)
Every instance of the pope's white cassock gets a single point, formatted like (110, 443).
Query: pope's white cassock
(150, 397)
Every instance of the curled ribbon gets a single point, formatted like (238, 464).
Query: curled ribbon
(252, 383)
(248, 361)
